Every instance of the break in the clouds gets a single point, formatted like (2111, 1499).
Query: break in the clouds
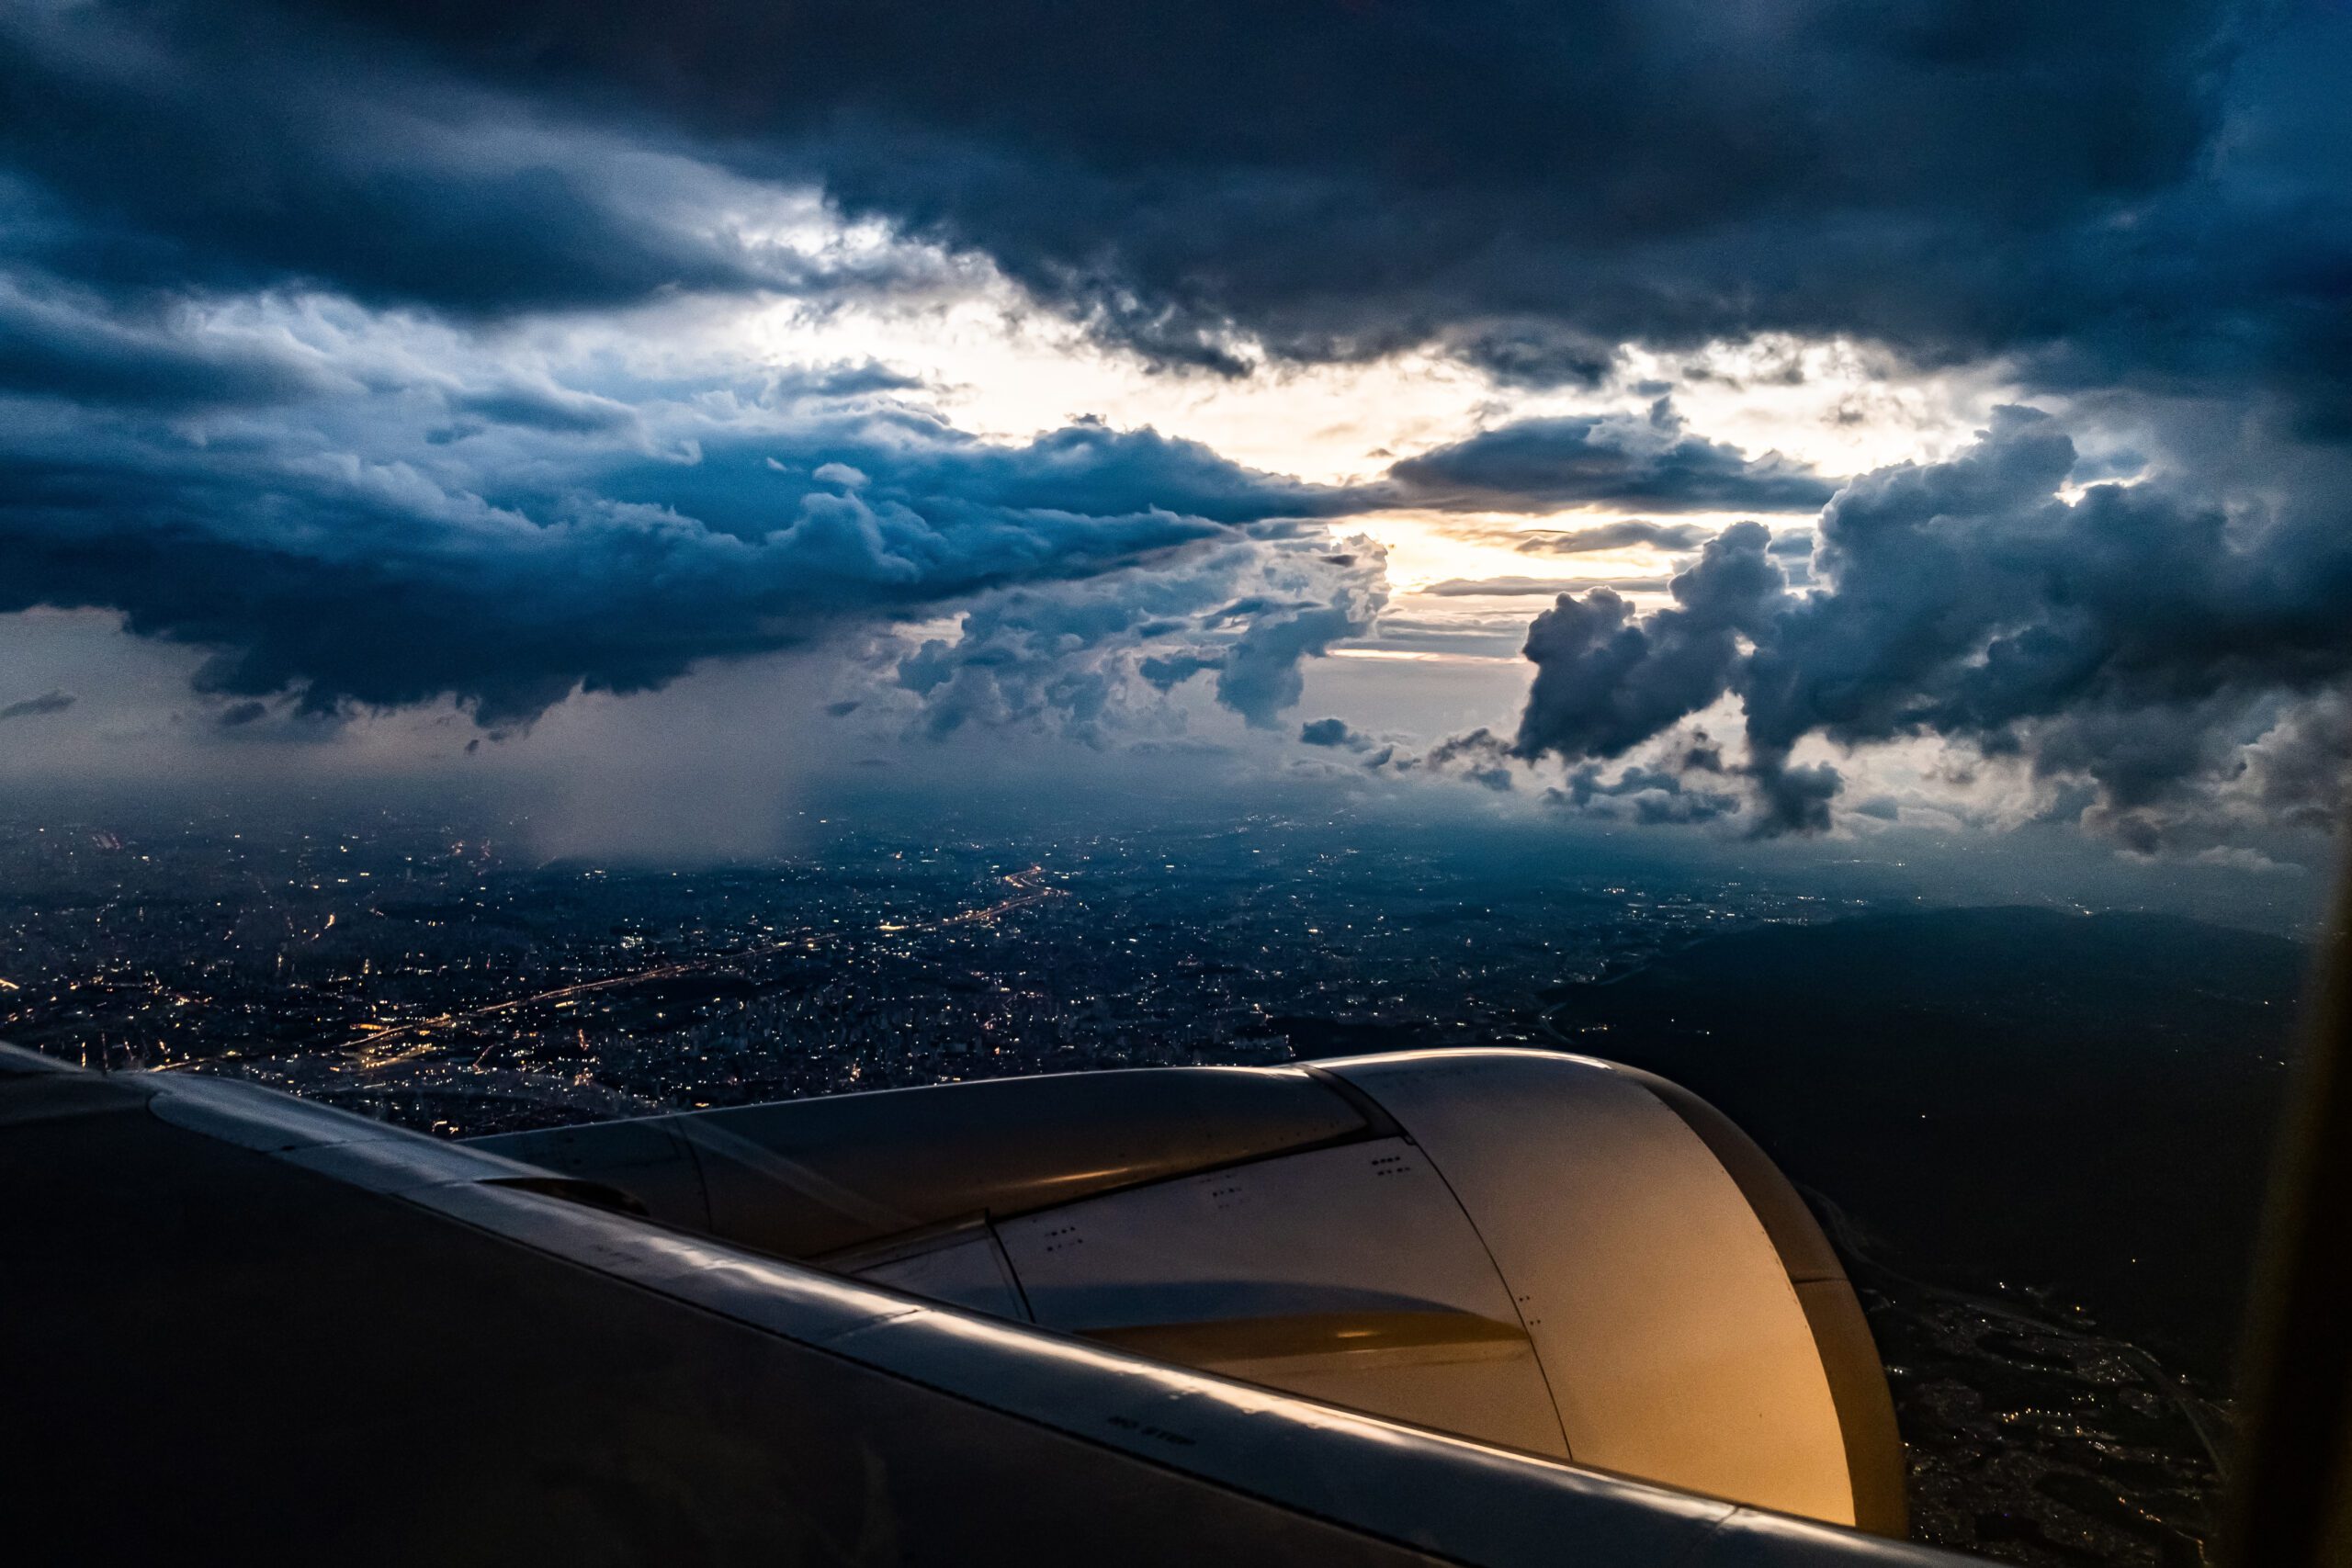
(400, 353)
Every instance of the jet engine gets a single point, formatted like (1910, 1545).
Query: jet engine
(1534, 1250)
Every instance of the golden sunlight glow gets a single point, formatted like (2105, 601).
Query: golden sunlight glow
(1426, 548)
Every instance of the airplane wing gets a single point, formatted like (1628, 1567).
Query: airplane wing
(242, 1326)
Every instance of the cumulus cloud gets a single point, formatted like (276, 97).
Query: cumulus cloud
(1652, 796)
(2135, 639)
(1482, 757)
(1261, 679)
(1607, 679)
(2299, 771)
(1080, 660)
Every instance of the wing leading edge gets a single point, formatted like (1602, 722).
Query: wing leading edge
(245, 1325)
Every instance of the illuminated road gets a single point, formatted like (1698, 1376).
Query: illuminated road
(376, 1051)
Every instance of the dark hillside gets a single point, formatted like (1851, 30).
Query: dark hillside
(2001, 1096)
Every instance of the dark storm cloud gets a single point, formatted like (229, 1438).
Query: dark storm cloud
(1655, 463)
(1970, 597)
(2139, 639)
(1607, 679)
(1334, 732)
(1793, 799)
(1165, 673)
(71, 344)
(33, 707)
(1530, 186)
(174, 147)
(2141, 190)
(1085, 468)
(1536, 355)
(1481, 757)
(378, 582)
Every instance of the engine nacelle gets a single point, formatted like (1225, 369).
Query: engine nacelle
(1531, 1249)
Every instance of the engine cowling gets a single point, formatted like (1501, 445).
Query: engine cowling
(1536, 1250)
